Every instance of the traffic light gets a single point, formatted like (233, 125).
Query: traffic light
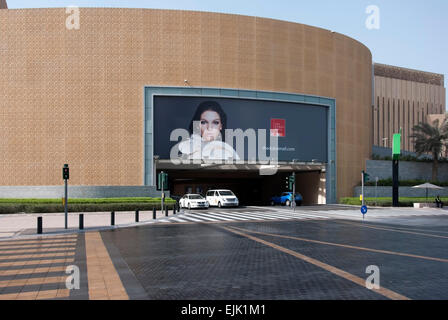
(65, 172)
(287, 185)
(162, 181)
(290, 181)
(365, 176)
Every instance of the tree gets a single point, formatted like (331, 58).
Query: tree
(430, 139)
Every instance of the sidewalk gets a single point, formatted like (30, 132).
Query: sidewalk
(23, 224)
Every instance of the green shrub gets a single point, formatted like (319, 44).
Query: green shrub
(32, 206)
(422, 158)
(82, 201)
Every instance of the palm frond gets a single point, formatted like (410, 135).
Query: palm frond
(429, 138)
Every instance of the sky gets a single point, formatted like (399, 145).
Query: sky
(411, 34)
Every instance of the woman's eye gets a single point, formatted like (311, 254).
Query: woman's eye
(203, 122)
(216, 122)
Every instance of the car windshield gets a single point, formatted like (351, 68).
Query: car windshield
(226, 193)
(196, 197)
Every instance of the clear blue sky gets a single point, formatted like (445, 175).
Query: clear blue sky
(412, 34)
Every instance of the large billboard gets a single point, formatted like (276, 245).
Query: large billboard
(245, 130)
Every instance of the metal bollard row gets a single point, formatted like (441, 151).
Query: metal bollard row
(39, 225)
(112, 218)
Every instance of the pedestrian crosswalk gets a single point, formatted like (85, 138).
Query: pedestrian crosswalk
(237, 215)
(213, 215)
(248, 214)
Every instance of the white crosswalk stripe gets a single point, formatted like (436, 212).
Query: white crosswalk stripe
(232, 216)
(239, 216)
(211, 217)
(178, 219)
(289, 215)
(269, 216)
(190, 218)
(256, 216)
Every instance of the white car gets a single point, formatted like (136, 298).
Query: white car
(193, 201)
(222, 198)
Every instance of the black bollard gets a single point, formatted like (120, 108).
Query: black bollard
(154, 213)
(39, 225)
(81, 221)
(112, 218)
(137, 216)
(174, 209)
(166, 211)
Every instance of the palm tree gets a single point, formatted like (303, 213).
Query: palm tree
(430, 139)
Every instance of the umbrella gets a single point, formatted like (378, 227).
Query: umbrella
(427, 186)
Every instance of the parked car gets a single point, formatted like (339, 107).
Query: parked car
(222, 198)
(191, 201)
(286, 198)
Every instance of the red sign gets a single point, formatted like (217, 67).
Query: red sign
(278, 127)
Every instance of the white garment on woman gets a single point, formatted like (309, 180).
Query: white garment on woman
(196, 148)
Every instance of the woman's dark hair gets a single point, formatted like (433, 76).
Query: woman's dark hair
(209, 106)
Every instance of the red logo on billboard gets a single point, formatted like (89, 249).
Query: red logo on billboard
(278, 127)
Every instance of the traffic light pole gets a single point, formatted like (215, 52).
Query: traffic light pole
(362, 188)
(294, 191)
(163, 189)
(396, 152)
(395, 183)
(65, 204)
(65, 177)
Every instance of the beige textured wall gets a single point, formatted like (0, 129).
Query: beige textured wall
(402, 103)
(75, 96)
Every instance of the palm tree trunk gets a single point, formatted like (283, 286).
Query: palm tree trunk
(435, 166)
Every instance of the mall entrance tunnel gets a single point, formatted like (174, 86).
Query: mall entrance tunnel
(250, 187)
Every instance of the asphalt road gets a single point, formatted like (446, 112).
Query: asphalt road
(312, 258)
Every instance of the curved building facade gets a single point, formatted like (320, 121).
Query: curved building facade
(77, 96)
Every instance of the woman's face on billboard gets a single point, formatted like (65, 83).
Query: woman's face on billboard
(211, 125)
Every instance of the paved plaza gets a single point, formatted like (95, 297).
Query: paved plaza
(253, 253)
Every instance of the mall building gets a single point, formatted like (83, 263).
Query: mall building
(114, 97)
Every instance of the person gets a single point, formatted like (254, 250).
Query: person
(439, 202)
(207, 134)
